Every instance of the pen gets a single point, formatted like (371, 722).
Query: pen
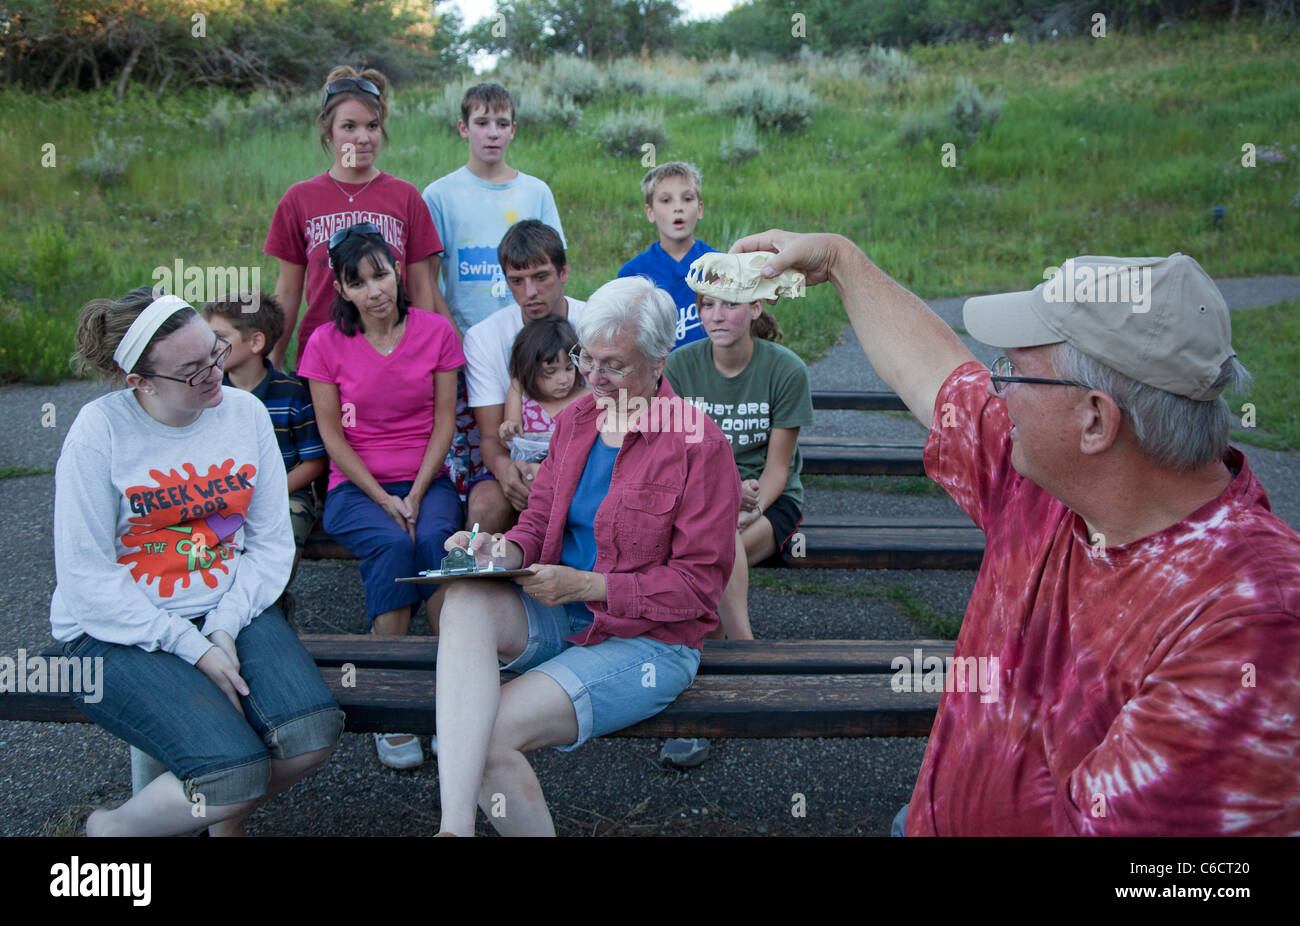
(469, 547)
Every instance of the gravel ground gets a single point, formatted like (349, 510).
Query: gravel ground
(49, 773)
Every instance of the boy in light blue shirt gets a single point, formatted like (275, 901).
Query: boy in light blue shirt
(673, 206)
(474, 206)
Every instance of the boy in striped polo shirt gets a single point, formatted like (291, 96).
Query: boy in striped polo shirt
(252, 335)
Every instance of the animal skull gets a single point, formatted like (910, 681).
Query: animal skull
(736, 277)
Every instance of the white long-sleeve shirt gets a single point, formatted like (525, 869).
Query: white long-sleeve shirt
(156, 525)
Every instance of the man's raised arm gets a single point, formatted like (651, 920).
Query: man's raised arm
(911, 348)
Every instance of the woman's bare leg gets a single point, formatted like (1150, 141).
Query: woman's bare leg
(480, 624)
(534, 712)
(733, 607)
(162, 809)
(285, 773)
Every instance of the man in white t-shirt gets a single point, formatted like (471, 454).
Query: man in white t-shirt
(532, 257)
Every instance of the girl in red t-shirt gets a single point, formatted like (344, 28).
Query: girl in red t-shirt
(353, 190)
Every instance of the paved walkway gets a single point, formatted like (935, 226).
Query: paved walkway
(48, 772)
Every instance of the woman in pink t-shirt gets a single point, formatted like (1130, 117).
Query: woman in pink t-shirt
(351, 122)
(383, 383)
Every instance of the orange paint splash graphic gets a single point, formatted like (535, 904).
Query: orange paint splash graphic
(186, 523)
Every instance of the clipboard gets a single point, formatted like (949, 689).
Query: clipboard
(477, 574)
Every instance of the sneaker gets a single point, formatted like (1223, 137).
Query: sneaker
(684, 753)
(433, 745)
(407, 755)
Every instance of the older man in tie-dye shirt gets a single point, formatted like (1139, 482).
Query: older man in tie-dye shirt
(1138, 604)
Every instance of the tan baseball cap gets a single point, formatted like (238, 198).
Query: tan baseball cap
(1158, 320)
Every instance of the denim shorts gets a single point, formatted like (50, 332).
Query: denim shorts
(613, 684)
(167, 708)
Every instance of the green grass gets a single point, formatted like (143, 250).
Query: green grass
(1267, 341)
(10, 472)
(942, 626)
(1114, 147)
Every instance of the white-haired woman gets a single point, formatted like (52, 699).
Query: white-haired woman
(621, 536)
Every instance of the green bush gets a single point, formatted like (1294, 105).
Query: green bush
(106, 166)
(534, 110)
(969, 112)
(262, 110)
(890, 67)
(564, 76)
(627, 75)
(625, 131)
(784, 107)
(927, 125)
(742, 144)
(732, 70)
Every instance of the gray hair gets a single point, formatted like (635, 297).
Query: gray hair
(631, 302)
(1172, 431)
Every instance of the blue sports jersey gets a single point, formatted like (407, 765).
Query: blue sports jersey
(670, 275)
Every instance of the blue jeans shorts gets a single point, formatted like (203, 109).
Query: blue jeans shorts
(166, 707)
(613, 684)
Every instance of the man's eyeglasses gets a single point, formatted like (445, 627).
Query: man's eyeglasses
(585, 366)
(361, 228)
(349, 83)
(202, 374)
(1003, 368)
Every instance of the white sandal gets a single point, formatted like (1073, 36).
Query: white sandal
(406, 756)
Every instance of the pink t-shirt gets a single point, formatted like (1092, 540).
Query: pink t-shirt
(387, 401)
(311, 211)
(1147, 689)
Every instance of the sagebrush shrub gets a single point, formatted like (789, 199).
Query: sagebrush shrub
(625, 131)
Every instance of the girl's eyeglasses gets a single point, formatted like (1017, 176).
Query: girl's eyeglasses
(202, 374)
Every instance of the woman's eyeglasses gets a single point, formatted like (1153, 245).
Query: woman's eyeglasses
(201, 375)
(585, 365)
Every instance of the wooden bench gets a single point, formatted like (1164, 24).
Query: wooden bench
(863, 401)
(744, 688)
(838, 542)
(835, 542)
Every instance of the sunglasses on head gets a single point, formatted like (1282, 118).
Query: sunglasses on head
(348, 83)
(369, 229)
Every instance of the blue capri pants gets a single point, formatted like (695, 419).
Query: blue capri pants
(386, 551)
(167, 708)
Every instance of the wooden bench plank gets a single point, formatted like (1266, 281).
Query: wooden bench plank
(850, 542)
(851, 456)
(385, 700)
(42, 707)
(720, 657)
(867, 401)
(792, 705)
(724, 703)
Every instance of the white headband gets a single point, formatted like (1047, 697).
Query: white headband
(142, 329)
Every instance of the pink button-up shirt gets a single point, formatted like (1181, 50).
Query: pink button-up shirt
(665, 533)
